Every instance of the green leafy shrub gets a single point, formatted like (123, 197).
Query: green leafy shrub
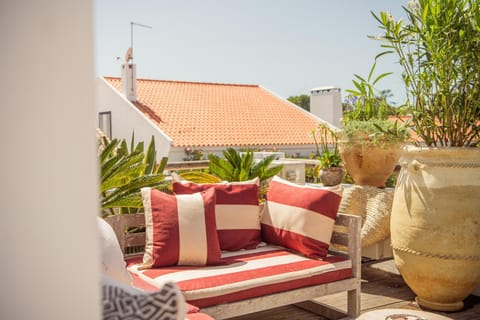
(374, 131)
(438, 48)
(365, 119)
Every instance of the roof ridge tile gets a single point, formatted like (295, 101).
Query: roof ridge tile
(190, 82)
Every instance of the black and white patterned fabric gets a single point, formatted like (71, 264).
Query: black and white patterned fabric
(121, 302)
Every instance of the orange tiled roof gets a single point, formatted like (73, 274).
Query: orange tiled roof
(198, 114)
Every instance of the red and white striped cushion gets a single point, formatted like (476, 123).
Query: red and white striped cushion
(180, 229)
(299, 217)
(237, 211)
(248, 274)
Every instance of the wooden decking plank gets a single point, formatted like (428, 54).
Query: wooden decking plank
(328, 312)
(282, 313)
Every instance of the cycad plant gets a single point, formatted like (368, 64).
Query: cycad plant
(124, 172)
(242, 166)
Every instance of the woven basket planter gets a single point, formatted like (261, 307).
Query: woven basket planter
(374, 206)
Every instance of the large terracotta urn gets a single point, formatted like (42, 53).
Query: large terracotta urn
(370, 164)
(435, 224)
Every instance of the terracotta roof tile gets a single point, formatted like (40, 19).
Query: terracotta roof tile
(216, 114)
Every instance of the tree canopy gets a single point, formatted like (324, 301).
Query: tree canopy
(302, 101)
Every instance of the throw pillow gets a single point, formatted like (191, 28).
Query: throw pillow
(113, 264)
(299, 217)
(237, 211)
(121, 302)
(180, 229)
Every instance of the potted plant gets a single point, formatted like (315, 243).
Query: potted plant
(369, 143)
(330, 171)
(435, 222)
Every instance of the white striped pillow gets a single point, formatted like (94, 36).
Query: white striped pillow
(237, 211)
(180, 230)
(299, 217)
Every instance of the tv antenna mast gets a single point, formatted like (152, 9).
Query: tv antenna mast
(132, 24)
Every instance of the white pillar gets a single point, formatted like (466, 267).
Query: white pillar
(48, 165)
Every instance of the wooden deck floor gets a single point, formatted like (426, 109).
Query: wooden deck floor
(382, 287)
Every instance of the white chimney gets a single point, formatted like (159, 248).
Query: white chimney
(326, 103)
(129, 77)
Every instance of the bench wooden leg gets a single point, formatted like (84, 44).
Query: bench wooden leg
(353, 303)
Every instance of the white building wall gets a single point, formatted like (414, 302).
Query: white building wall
(126, 118)
(49, 194)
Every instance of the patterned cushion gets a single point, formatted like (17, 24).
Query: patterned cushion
(113, 264)
(237, 211)
(180, 229)
(123, 302)
(299, 217)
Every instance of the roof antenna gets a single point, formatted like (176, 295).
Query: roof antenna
(129, 56)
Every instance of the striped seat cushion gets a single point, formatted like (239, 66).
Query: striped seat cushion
(248, 273)
(193, 312)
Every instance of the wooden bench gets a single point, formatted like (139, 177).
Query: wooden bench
(345, 242)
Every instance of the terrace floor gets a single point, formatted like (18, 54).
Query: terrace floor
(382, 287)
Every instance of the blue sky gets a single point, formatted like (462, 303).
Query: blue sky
(287, 46)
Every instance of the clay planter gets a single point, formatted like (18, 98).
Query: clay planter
(370, 165)
(435, 224)
(331, 176)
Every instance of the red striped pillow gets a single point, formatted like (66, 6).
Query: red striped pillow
(237, 211)
(299, 217)
(180, 230)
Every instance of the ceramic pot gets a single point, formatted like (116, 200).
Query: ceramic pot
(370, 165)
(435, 224)
(331, 176)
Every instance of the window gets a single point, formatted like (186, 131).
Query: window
(105, 123)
